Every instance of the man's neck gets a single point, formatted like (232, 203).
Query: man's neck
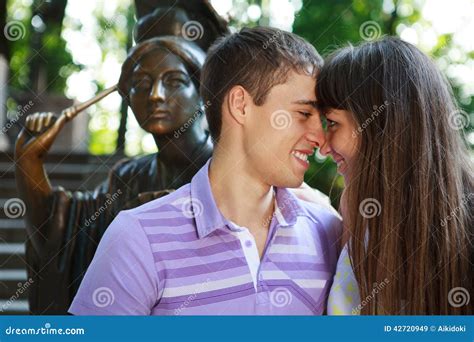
(240, 196)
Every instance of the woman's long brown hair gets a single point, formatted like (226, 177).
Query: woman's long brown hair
(411, 193)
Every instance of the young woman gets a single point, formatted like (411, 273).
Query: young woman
(394, 130)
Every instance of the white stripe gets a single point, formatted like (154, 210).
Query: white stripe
(303, 283)
(293, 249)
(162, 215)
(311, 283)
(198, 260)
(170, 229)
(191, 245)
(290, 232)
(207, 286)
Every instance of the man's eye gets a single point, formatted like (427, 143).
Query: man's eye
(306, 114)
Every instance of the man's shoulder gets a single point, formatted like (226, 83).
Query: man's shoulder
(324, 215)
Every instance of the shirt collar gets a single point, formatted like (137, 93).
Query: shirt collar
(210, 218)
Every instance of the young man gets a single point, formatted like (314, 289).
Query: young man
(234, 240)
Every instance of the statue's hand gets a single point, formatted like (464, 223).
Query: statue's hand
(38, 135)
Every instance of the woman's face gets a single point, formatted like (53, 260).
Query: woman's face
(342, 140)
(163, 96)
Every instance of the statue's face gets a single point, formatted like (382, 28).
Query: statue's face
(163, 96)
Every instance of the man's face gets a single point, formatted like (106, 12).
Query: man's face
(276, 136)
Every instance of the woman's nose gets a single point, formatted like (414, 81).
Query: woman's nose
(325, 149)
(157, 91)
(316, 135)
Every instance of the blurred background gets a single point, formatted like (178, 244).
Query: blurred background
(53, 53)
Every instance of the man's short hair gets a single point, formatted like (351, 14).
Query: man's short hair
(257, 59)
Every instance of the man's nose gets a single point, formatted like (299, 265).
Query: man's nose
(157, 91)
(316, 135)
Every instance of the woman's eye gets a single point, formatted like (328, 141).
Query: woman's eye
(330, 123)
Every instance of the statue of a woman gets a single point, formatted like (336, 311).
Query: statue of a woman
(160, 82)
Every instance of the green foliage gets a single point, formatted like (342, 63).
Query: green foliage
(52, 52)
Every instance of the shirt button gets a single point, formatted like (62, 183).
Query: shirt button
(248, 243)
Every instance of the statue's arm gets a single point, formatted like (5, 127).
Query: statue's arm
(34, 187)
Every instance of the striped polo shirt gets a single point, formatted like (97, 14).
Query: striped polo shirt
(178, 255)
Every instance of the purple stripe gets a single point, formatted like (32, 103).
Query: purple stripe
(213, 276)
(205, 269)
(184, 237)
(300, 266)
(159, 238)
(173, 222)
(209, 297)
(325, 250)
(205, 251)
(300, 293)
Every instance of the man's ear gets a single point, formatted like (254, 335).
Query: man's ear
(236, 103)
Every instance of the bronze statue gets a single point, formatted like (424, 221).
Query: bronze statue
(160, 81)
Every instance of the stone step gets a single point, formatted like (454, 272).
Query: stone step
(11, 228)
(12, 261)
(14, 307)
(66, 158)
(60, 171)
(13, 284)
(12, 255)
(9, 190)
